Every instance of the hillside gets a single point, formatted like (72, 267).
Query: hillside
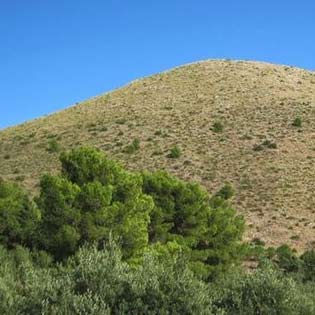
(269, 160)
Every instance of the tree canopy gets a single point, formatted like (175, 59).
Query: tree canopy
(94, 198)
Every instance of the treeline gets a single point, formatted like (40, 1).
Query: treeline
(99, 239)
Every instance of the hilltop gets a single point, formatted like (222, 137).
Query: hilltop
(248, 123)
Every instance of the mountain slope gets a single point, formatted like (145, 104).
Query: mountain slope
(269, 161)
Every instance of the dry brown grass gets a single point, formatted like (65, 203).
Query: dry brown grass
(253, 101)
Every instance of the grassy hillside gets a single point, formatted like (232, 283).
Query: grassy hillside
(251, 124)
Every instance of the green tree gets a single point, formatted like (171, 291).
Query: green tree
(18, 216)
(93, 198)
(183, 213)
(85, 165)
(59, 231)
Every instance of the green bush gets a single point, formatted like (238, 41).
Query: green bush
(308, 265)
(217, 127)
(287, 260)
(183, 214)
(53, 146)
(175, 152)
(133, 147)
(264, 292)
(270, 145)
(18, 216)
(100, 282)
(297, 122)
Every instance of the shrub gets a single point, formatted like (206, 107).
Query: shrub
(258, 147)
(269, 144)
(183, 214)
(53, 146)
(121, 121)
(286, 259)
(226, 192)
(175, 152)
(297, 122)
(217, 127)
(308, 265)
(265, 292)
(133, 147)
(100, 283)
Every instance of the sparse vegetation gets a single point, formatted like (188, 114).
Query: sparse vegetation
(175, 152)
(133, 147)
(297, 122)
(197, 95)
(53, 146)
(138, 243)
(121, 121)
(217, 127)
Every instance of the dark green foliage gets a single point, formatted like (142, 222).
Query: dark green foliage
(269, 144)
(94, 198)
(308, 263)
(18, 216)
(53, 146)
(258, 242)
(286, 259)
(258, 147)
(59, 229)
(297, 122)
(85, 165)
(226, 192)
(183, 214)
(217, 127)
(133, 147)
(175, 152)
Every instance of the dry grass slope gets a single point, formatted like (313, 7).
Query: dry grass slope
(231, 120)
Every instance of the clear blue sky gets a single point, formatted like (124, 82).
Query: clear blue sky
(54, 53)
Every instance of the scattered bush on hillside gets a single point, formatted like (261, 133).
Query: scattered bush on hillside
(175, 152)
(297, 122)
(265, 144)
(133, 147)
(287, 260)
(269, 144)
(53, 146)
(217, 127)
(121, 121)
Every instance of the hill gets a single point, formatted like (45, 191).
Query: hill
(248, 123)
